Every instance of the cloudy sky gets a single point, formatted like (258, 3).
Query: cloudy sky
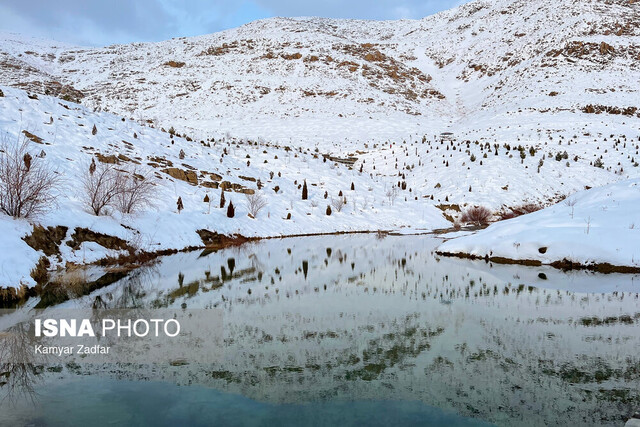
(104, 22)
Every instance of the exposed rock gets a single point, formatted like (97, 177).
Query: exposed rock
(183, 175)
(111, 159)
(174, 64)
(110, 242)
(47, 239)
(33, 137)
(209, 184)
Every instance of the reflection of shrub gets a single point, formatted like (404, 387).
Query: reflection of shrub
(478, 215)
(72, 283)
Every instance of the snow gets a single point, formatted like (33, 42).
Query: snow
(17, 258)
(601, 225)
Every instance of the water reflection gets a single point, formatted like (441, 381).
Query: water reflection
(353, 318)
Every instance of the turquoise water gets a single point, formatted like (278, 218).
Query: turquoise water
(90, 401)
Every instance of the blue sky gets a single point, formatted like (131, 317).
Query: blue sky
(104, 22)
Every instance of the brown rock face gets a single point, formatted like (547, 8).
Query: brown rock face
(183, 175)
(112, 159)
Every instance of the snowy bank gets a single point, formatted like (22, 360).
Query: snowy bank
(596, 226)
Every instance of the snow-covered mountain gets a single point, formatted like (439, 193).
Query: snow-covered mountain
(540, 96)
(473, 69)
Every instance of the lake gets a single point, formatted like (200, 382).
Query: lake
(347, 329)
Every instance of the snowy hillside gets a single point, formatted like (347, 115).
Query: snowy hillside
(541, 99)
(61, 135)
(569, 66)
(591, 227)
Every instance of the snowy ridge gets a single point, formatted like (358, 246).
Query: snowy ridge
(474, 69)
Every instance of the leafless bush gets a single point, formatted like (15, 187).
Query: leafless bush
(102, 184)
(338, 203)
(520, 210)
(571, 202)
(27, 185)
(478, 215)
(392, 194)
(255, 203)
(126, 190)
(136, 191)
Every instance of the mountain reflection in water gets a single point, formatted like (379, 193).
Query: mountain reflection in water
(312, 325)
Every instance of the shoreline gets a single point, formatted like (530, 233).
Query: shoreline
(564, 264)
(119, 267)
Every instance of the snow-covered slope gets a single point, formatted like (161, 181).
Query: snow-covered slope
(601, 225)
(540, 97)
(61, 134)
(510, 72)
(474, 70)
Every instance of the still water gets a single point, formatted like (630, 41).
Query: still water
(354, 330)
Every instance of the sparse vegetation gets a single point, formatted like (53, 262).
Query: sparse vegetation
(477, 215)
(338, 203)
(136, 191)
(126, 190)
(28, 187)
(231, 211)
(255, 203)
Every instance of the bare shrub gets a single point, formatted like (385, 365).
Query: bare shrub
(571, 202)
(507, 215)
(478, 215)
(255, 203)
(337, 203)
(27, 185)
(136, 191)
(102, 184)
(126, 190)
(392, 194)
